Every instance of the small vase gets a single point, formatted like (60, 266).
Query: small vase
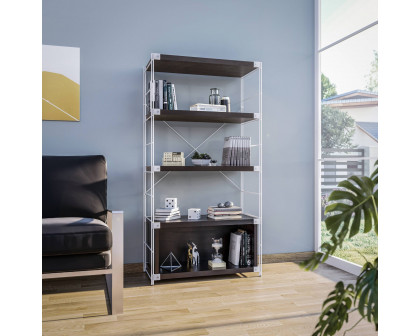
(214, 97)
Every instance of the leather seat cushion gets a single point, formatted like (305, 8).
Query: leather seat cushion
(74, 235)
(76, 262)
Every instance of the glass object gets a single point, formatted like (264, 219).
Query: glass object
(226, 101)
(214, 97)
(217, 245)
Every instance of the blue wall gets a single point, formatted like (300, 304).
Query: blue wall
(115, 40)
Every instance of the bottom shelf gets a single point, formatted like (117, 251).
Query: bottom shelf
(203, 270)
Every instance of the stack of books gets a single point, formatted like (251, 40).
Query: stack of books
(165, 95)
(234, 212)
(237, 151)
(167, 214)
(173, 159)
(240, 248)
(208, 107)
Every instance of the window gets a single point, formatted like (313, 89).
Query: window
(347, 109)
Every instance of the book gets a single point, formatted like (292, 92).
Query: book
(165, 95)
(218, 265)
(236, 151)
(175, 105)
(215, 213)
(167, 218)
(208, 107)
(165, 214)
(249, 250)
(167, 210)
(169, 93)
(234, 248)
(226, 217)
(160, 94)
(217, 209)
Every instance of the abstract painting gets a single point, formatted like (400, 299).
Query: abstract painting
(60, 83)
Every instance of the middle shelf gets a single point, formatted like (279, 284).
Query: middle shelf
(205, 221)
(205, 168)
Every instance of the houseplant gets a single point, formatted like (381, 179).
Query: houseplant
(353, 207)
(201, 159)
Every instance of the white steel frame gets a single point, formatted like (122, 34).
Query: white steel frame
(333, 261)
(149, 144)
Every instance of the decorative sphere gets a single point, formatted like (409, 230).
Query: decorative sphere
(220, 205)
(228, 204)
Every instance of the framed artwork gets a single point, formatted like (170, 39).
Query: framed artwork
(60, 83)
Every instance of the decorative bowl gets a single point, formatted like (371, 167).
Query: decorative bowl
(200, 162)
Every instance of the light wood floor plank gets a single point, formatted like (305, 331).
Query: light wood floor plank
(286, 301)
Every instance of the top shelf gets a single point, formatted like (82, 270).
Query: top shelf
(201, 66)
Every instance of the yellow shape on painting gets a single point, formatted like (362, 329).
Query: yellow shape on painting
(60, 97)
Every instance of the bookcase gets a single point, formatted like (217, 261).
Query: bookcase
(161, 238)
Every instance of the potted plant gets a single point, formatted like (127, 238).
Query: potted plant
(200, 159)
(352, 207)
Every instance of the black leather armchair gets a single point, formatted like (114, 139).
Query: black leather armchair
(80, 237)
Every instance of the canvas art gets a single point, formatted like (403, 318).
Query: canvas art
(60, 83)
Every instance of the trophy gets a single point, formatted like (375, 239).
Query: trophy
(217, 261)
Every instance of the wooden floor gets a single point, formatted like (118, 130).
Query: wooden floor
(285, 301)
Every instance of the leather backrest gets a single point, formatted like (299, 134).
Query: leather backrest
(74, 186)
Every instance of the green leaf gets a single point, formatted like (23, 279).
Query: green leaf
(366, 290)
(335, 310)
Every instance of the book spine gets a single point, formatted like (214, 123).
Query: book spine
(174, 97)
(160, 94)
(248, 250)
(156, 105)
(165, 96)
(170, 102)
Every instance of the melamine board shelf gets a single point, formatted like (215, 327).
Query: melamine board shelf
(202, 66)
(203, 270)
(206, 168)
(184, 222)
(200, 116)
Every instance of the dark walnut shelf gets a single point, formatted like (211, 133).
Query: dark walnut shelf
(206, 168)
(200, 116)
(202, 66)
(203, 270)
(184, 222)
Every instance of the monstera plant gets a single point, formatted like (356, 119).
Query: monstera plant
(351, 209)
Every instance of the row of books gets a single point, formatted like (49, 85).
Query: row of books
(217, 213)
(165, 95)
(240, 248)
(237, 151)
(167, 214)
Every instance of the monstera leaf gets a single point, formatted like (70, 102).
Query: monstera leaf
(355, 203)
(335, 310)
(367, 292)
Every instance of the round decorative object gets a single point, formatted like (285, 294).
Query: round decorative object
(228, 204)
(220, 205)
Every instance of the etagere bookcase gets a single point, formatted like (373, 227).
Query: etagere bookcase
(161, 237)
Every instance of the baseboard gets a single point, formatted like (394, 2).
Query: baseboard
(266, 258)
(286, 257)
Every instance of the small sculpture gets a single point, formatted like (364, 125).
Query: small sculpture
(227, 204)
(193, 255)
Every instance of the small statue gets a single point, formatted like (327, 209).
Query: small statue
(193, 255)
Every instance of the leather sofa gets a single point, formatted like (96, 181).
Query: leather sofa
(80, 237)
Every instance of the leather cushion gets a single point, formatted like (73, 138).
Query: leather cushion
(74, 186)
(74, 235)
(76, 262)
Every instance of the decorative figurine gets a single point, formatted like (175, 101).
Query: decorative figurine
(220, 205)
(170, 263)
(228, 204)
(194, 213)
(217, 261)
(193, 255)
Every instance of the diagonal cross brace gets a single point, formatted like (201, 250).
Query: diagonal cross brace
(195, 148)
